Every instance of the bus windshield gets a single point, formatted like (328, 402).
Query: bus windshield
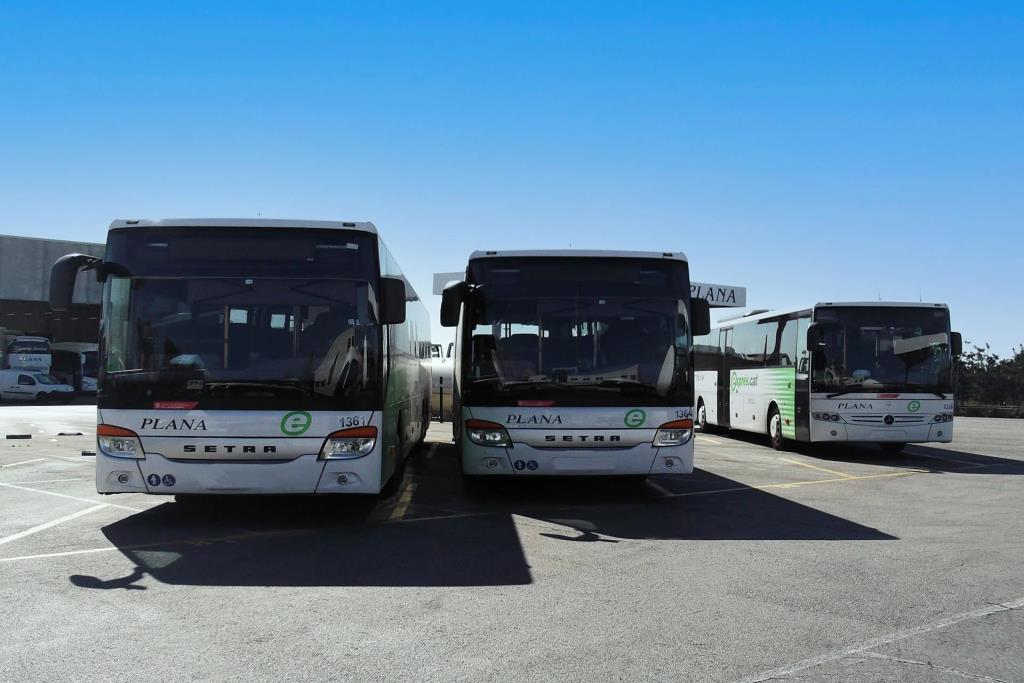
(30, 346)
(576, 340)
(240, 342)
(883, 349)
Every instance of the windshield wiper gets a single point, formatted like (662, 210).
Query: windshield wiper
(282, 388)
(850, 388)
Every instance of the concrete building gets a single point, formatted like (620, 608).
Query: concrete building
(24, 290)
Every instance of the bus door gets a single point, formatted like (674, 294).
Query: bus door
(803, 382)
(725, 364)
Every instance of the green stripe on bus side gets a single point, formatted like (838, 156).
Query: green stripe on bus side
(773, 384)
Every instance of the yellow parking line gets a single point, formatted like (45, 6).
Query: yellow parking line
(887, 475)
(820, 469)
(403, 503)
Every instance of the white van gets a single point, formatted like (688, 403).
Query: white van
(25, 385)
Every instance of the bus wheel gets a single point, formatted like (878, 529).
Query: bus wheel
(892, 448)
(426, 421)
(775, 428)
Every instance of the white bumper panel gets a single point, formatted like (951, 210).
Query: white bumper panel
(584, 442)
(526, 460)
(823, 431)
(158, 475)
(203, 446)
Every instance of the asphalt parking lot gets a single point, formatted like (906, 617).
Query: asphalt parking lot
(815, 564)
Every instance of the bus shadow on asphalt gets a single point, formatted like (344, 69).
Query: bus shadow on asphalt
(916, 456)
(444, 536)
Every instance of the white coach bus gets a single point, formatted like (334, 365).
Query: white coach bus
(253, 356)
(574, 363)
(874, 372)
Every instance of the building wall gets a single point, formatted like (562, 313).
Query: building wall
(25, 268)
(25, 290)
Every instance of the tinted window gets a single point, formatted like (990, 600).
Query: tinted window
(244, 252)
(749, 345)
(706, 352)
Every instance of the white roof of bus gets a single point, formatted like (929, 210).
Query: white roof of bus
(730, 322)
(362, 226)
(578, 253)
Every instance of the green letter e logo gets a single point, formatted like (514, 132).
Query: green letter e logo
(635, 418)
(296, 423)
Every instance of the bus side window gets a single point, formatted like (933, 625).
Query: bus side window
(803, 357)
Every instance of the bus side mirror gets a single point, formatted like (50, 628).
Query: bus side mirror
(451, 302)
(956, 343)
(815, 337)
(62, 278)
(700, 317)
(392, 298)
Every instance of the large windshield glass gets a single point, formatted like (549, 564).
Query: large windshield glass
(30, 346)
(240, 343)
(559, 335)
(883, 349)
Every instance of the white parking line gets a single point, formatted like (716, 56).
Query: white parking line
(23, 462)
(77, 461)
(64, 495)
(48, 525)
(708, 439)
(866, 645)
(43, 556)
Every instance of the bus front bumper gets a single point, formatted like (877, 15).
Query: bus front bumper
(306, 474)
(941, 432)
(521, 459)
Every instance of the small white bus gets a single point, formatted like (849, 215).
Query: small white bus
(875, 372)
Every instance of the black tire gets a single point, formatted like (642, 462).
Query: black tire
(426, 423)
(892, 448)
(702, 417)
(391, 487)
(775, 437)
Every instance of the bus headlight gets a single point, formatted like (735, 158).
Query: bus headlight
(943, 417)
(118, 442)
(486, 433)
(674, 433)
(354, 442)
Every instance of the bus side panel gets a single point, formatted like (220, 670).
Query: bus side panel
(408, 387)
(705, 386)
(751, 393)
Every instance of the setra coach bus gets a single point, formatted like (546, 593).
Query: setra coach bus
(873, 372)
(253, 356)
(574, 363)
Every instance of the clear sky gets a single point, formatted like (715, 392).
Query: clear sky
(808, 150)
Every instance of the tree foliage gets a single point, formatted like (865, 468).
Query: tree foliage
(986, 379)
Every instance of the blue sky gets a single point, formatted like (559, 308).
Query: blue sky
(808, 151)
